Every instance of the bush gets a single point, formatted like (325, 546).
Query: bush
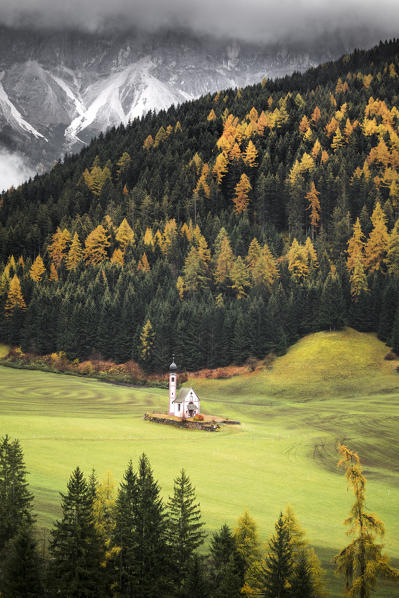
(391, 356)
(198, 417)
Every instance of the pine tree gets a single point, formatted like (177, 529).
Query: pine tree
(15, 300)
(16, 502)
(185, 528)
(123, 164)
(332, 304)
(227, 567)
(75, 549)
(22, 569)
(362, 561)
(301, 580)
(37, 270)
(239, 276)
(278, 566)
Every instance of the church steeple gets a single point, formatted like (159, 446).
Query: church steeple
(172, 385)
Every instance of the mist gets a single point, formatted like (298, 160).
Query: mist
(14, 170)
(255, 20)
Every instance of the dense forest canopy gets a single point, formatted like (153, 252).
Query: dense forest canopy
(224, 228)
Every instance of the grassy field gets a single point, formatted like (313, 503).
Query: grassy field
(329, 387)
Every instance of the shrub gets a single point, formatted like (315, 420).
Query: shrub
(198, 417)
(391, 356)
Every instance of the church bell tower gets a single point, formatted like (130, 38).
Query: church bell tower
(172, 385)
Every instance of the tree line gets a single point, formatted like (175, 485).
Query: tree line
(224, 228)
(128, 542)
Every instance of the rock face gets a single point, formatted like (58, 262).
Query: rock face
(59, 89)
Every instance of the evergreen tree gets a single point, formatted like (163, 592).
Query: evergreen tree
(16, 502)
(22, 568)
(185, 528)
(75, 549)
(278, 566)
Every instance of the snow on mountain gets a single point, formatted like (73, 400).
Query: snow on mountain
(59, 89)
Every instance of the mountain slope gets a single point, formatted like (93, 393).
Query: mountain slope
(58, 90)
(218, 229)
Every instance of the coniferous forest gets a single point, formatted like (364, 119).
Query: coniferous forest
(224, 228)
(126, 541)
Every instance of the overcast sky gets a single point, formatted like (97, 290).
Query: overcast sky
(250, 19)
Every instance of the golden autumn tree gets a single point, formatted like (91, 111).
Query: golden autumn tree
(224, 259)
(117, 258)
(254, 253)
(96, 245)
(75, 254)
(313, 207)
(104, 512)
(355, 245)
(147, 338)
(180, 286)
(356, 262)
(15, 299)
(265, 271)
(362, 561)
(298, 264)
(53, 273)
(125, 235)
(392, 258)
(220, 168)
(250, 155)
(143, 265)
(148, 142)
(241, 197)
(58, 246)
(212, 115)
(123, 163)
(316, 115)
(202, 182)
(37, 269)
(239, 276)
(338, 140)
(377, 243)
(303, 125)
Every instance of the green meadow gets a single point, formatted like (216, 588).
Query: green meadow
(328, 388)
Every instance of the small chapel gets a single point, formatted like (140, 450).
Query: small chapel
(184, 404)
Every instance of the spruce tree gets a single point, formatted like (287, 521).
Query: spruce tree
(278, 566)
(16, 502)
(301, 581)
(22, 569)
(185, 528)
(226, 565)
(75, 549)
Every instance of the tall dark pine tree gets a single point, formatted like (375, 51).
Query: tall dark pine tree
(278, 566)
(149, 548)
(226, 565)
(16, 502)
(21, 575)
(75, 549)
(185, 528)
(302, 582)
(125, 563)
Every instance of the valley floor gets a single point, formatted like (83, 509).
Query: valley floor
(329, 388)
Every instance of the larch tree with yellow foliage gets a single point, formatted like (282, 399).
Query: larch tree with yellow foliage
(58, 247)
(250, 155)
(314, 208)
(265, 271)
(298, 264)
(224, 259)
(377, 243)
(37, 269)
(147, 338)
(392, 258)
(220, 168)
(125, 235)
(361, 561)
(96, 245)
(15, 299)
(239, 276)
(75, 254)
(241, 197)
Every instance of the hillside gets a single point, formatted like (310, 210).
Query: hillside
(226, 228)
(283, 452)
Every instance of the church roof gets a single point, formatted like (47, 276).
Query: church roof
(183, 393)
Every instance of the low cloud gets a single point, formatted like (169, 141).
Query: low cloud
(14, 170)
(266, 20)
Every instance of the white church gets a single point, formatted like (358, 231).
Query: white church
(186, 403)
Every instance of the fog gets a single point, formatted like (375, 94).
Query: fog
(13, 170)
(266, 20)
